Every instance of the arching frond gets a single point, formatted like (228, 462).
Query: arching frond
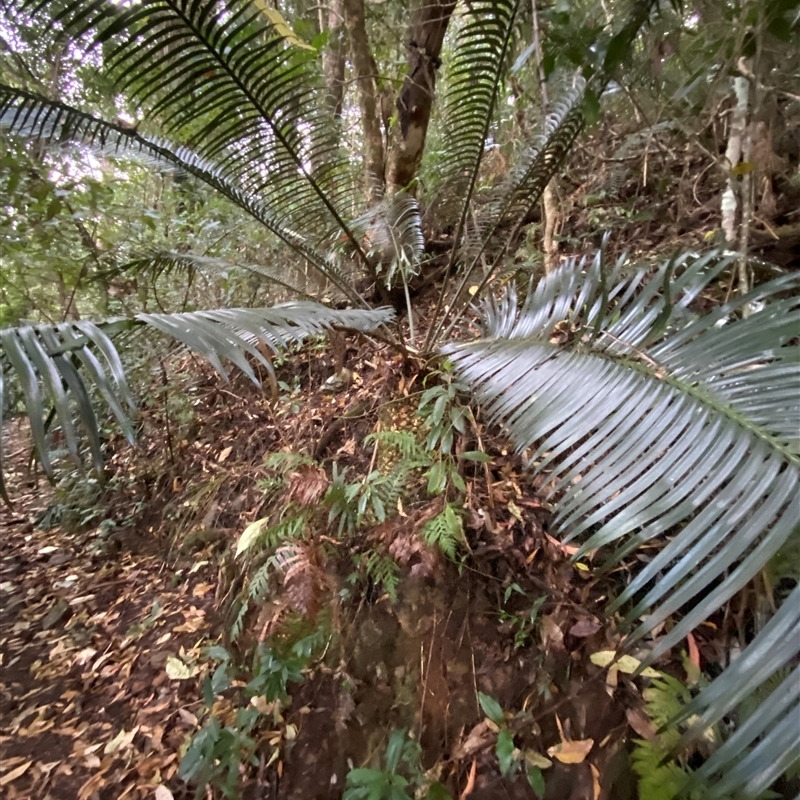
(539, 163)
(765, 744)
(536, 165)
(473, 81)
(232, 86)
(47, 360)
(655, 423)
(392, 237)
(31, 116)
(165, 263)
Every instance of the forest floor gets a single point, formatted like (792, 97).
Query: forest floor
(484, 659)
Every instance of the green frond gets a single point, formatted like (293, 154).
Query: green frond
(392, 238)
(473, 80)
(747, 761)
(535, 166)
(654, 423)
(46, 359)
(445, 531)
(31, 116)
(384, 572)
(167, 263)
(404, 442)
(230, 85)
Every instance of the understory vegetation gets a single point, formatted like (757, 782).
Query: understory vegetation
(400, 399)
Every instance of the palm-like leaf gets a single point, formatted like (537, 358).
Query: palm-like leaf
(540, 160)
(46, 359)
(167, 263)
(228, 83)
(772, 729)
(655, 423)
(31, 116)
(473, 80)
(392, 237)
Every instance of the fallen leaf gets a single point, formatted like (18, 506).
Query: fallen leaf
(478, 738)
(224, 454)
(15, 773)
(596, 789)
(571, 752)
(177, 670)
(626, 664)
(249, 535)
(201, 589)
(641, 723)
(473, 770)
(187, 716)
(551, 633)
(584, 627)
(162, 793)
(537, 759)
(120, 741)
(567, 549)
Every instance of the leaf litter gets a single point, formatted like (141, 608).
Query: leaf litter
(502, 665)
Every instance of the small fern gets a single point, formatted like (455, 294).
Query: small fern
(285, 461)
(258, 537)
(384, 572)
(404, 442)
(660, 777)
(258, 585)
(444, 531)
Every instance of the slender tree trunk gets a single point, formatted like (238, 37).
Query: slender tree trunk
(333, 59)
(549, 203)
(429, 20)
(367, 98)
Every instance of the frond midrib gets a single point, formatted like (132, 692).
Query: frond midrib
(695, 390)
(267, 117)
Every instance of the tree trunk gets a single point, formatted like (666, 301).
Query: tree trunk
(429, 20)
(367, 98)
(333, 58)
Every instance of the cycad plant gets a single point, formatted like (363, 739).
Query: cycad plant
(655, 420)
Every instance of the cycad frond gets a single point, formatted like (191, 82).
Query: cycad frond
(231, 85)
(513, 198)
(165, 263)
(473, 81)
(46, 359)
(655, 422)
(34, 117)
(391, 236)
(771, 730)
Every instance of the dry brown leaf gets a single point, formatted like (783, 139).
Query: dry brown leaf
(224, 454)
(162, 793)
(596, 788)
(551, 632)
(571, 752)
(15, 773)
(566, 549)
(584, 627)
(473, 771)
(641, 723)
(478, 737)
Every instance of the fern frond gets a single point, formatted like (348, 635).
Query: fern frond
(32, 116)
(445, 531)
(689, 430)
(473, 80)
(45, 358)
(284, 461)
(384, 572)
(404, 442)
